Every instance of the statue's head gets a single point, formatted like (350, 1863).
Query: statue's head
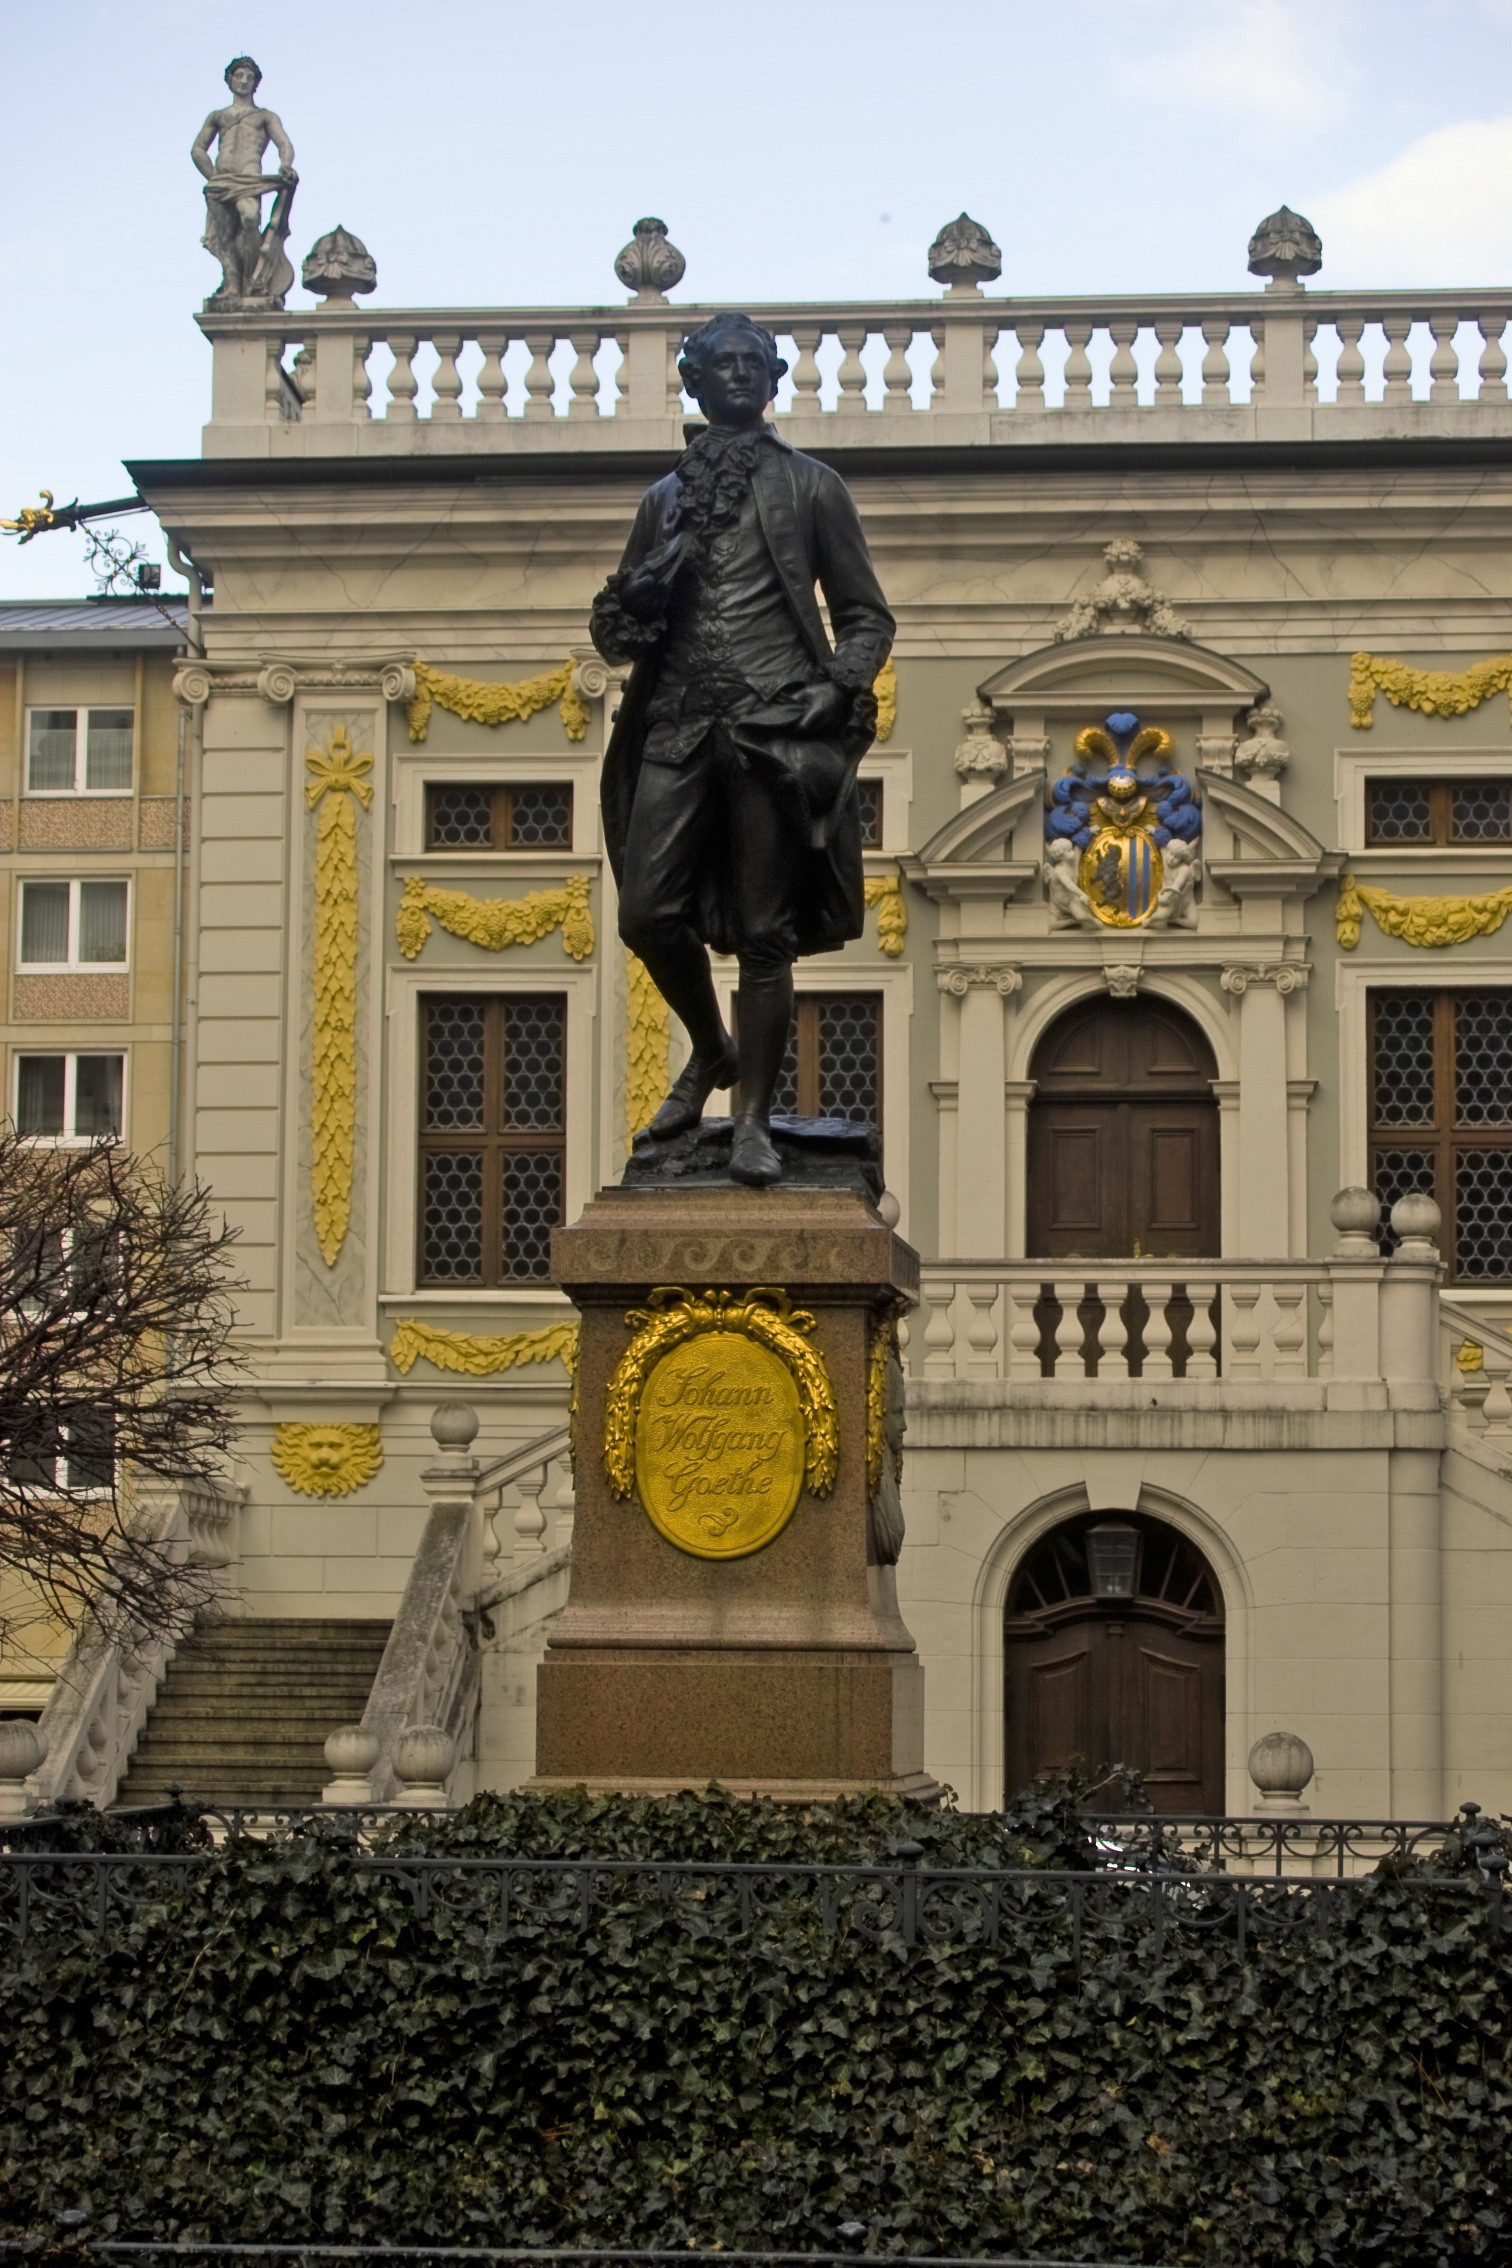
(731, 367)
(242, 75)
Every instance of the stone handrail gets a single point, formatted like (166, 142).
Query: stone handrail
(1282, 363)
(106, 1685)
(415, 1728)
(1476, 1372)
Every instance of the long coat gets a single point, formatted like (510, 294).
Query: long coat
(814, 534)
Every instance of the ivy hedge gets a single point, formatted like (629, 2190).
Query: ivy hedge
(280, 2049)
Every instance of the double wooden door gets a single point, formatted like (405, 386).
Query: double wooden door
(1120, 1689)
(1123, 1136)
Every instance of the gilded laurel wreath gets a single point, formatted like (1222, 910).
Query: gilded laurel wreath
(673, 1315)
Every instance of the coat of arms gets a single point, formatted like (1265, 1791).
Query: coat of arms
(1125, 825)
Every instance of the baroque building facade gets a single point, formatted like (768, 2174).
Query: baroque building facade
(1188, 835)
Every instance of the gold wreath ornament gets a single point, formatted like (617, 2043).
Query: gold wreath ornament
(719, 1412)
(326, 1460)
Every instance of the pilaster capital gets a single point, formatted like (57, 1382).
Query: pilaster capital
(192, 685)
(969, 976)
(1241, 977)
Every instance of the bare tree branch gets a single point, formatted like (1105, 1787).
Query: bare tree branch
(116, 1316)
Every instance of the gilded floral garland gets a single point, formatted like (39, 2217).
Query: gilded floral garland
(1436, 692)
(672, 1315)
(885, 892)
(494, 923)
(885, 686)
(415, 1340)
(1418, 921)
(337, 785)
(326, 1460)
(648, 1039)
(884, 1345)
(482, 700)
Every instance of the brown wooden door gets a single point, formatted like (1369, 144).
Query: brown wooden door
(1123, 1136)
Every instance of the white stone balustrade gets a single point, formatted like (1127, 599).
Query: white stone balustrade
(1282, 364)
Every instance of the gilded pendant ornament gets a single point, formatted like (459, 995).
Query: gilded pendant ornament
(1125, 821)
(326, 1460)
(886, 1425)
(1417, 921)
(495, 923)
(718, 1414)
(885, 892)
(1433, 692)
(885, 686)
(338, 783)
(475, 1356)
(482, 700)
(648, 1041)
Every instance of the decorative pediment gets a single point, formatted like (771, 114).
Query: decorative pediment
(1274, 853)
(1156, 676)
(966, 857)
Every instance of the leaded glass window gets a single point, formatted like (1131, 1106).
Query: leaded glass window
(1441, 1119)
(492, 1137)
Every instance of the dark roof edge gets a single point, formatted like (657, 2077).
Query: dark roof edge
(856, 464)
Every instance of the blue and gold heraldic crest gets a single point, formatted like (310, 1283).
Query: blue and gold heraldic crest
(1121, 804)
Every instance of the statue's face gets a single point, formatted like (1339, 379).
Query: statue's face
(243, 80)
(736, 383)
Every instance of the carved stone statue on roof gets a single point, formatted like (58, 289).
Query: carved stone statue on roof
(256, 272)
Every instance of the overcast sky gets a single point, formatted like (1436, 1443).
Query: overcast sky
(496, 152)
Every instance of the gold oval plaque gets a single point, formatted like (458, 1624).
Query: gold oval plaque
(720, 1445)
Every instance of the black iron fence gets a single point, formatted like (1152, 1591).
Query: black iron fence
(563, 2256)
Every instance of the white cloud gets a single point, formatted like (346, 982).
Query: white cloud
(1439, 213)
(1271, 59)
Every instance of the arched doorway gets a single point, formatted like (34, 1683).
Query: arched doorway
(1113, 1654)
(1123, 1136)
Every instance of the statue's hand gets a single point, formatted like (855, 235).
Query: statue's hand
(644, 591)
(825, 709)
(288, 178)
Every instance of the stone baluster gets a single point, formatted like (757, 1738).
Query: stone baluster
(1215, 363)
(1493, 358)
(1244, 1331)
(1351, 329)
(1078, 366)
(1069, 1359)
(1023, 1331)
(1157, 1331)
(897, 378)
(674, 372)
(1124, 373)
(989, 368)
(1202, 1332)
(275, 390)
(1398, 365)
(981, 1331)
(1113, 1332)
(852, 401)
(305, 376)
(1496, 1410)
(529, 1519)
(1325, 1328)
(403, 385)
(1168, 332)
(492, 383)
(1309, 358)
(939, 1331)
(446, 386)
(489, 1545)
(1029, 376)
(583, 379)
(362, 384)
(1257, 363)
(564, 1503)
(539, 383)
(1443, 363)
(1289, 1336)
(806, 374)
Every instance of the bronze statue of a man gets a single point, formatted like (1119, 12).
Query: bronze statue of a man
(730, 808)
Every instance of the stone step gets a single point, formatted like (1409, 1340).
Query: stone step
(245, 1709)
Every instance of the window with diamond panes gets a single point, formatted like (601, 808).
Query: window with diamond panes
(1456, 814)
(1441, 1119)
(492, 1138)
(833, 1065)
(493, 817)
(869, 795)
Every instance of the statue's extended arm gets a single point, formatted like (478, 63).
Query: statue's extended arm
(202, 140)
(280, 141)
(629, 616)
(859, 614)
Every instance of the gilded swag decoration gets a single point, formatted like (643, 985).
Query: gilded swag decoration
(482, 700)
(495, 923)
(1434, 692)
(1417, 921)
(474, 1356)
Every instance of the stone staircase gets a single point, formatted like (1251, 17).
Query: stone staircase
(244, 1711)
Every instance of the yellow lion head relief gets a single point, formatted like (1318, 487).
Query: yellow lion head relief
(326, 1460)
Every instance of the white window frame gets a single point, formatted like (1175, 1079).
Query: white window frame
(419, 772)
(71, 965)
(894, 768)
(405, 989)
(68, 1140)
(1354, 768)
(82, 711)
(93, 1493)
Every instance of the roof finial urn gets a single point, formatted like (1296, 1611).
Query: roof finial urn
(650, 266)
(963, 256)
(1285, 247)
(338, 266)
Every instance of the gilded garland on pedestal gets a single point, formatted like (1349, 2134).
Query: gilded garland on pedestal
(495, 923)
(648, 1042)
(885, 892)
(1418, 921)
(338, 783)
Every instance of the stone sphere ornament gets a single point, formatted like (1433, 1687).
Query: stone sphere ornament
(338, 266)
(422, 1758)
(1415, 1220)
(454, 1426)
(351, 1751)
(1356, 1214)
(1281, 1765)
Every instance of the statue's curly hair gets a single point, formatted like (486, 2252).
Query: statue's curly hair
(235, 63)
(700, 344)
